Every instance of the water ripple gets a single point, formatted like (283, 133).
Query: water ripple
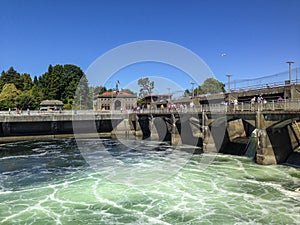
(56, 186)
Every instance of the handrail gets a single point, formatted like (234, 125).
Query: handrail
(284, 105)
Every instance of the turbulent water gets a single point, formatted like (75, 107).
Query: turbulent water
(54, 182)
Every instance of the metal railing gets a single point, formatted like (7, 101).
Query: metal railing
(275, 80)
(285, 105)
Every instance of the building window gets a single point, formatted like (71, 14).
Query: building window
(105, 107)
(117, 105)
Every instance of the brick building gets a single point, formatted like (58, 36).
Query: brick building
(112, 100)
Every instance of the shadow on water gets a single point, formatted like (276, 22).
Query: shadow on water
(29, 162)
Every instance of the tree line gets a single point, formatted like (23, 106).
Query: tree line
(209, 86)
(69, 84)
(60, 82)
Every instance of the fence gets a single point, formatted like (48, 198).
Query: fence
(284, 105)
(279, 79)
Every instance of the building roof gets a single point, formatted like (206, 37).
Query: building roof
(51, 103)
(121, 94)
(158, 95)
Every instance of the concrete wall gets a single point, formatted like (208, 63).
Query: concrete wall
(53, 127)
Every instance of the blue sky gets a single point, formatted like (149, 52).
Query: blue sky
(258, 36)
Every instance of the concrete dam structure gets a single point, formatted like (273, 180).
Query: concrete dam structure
(270, 137)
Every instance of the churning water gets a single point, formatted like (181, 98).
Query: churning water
(50, 182)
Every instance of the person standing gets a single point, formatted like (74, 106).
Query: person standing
(235, 104)
(260, 99)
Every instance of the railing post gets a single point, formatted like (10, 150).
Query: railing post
(242, 106)
(284, 104)
(203, 125)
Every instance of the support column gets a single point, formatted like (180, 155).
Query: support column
(175, 139)
(158, 129)
(209, 144)
(6, 128)
(203, 125)
(265, 152)
(134, 125)
(53, 127)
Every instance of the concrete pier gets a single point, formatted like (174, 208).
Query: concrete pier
(277, 133)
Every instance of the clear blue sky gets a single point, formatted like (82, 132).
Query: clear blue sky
(258, 36)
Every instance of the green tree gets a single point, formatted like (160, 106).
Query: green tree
(26, 100)
(186, 93)
(211, 86)
(127, 90)
(26, 81)
(100, 90)
(69, 104)
(60, 82)
(38, 95)
(51, 82)
(141, 102)
(8, 96)
(146, 87)
(82, 99)
(11, 76)
(71, 77)
(35, 80)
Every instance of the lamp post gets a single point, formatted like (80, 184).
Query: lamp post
(228, 76)
(290, 70)
(80, 102)
(192, 83)
(169, 94)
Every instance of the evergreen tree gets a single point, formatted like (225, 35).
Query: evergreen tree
(50, 82)
(26, 81)
(70, 81)
(38, 95)
(60, 82)
(35, 80)
(11, 76)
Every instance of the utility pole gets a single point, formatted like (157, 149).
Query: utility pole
(290, 70)
(228, 75)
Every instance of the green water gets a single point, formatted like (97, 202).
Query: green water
(52, 184)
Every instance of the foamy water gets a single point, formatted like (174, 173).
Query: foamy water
(49, 182)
